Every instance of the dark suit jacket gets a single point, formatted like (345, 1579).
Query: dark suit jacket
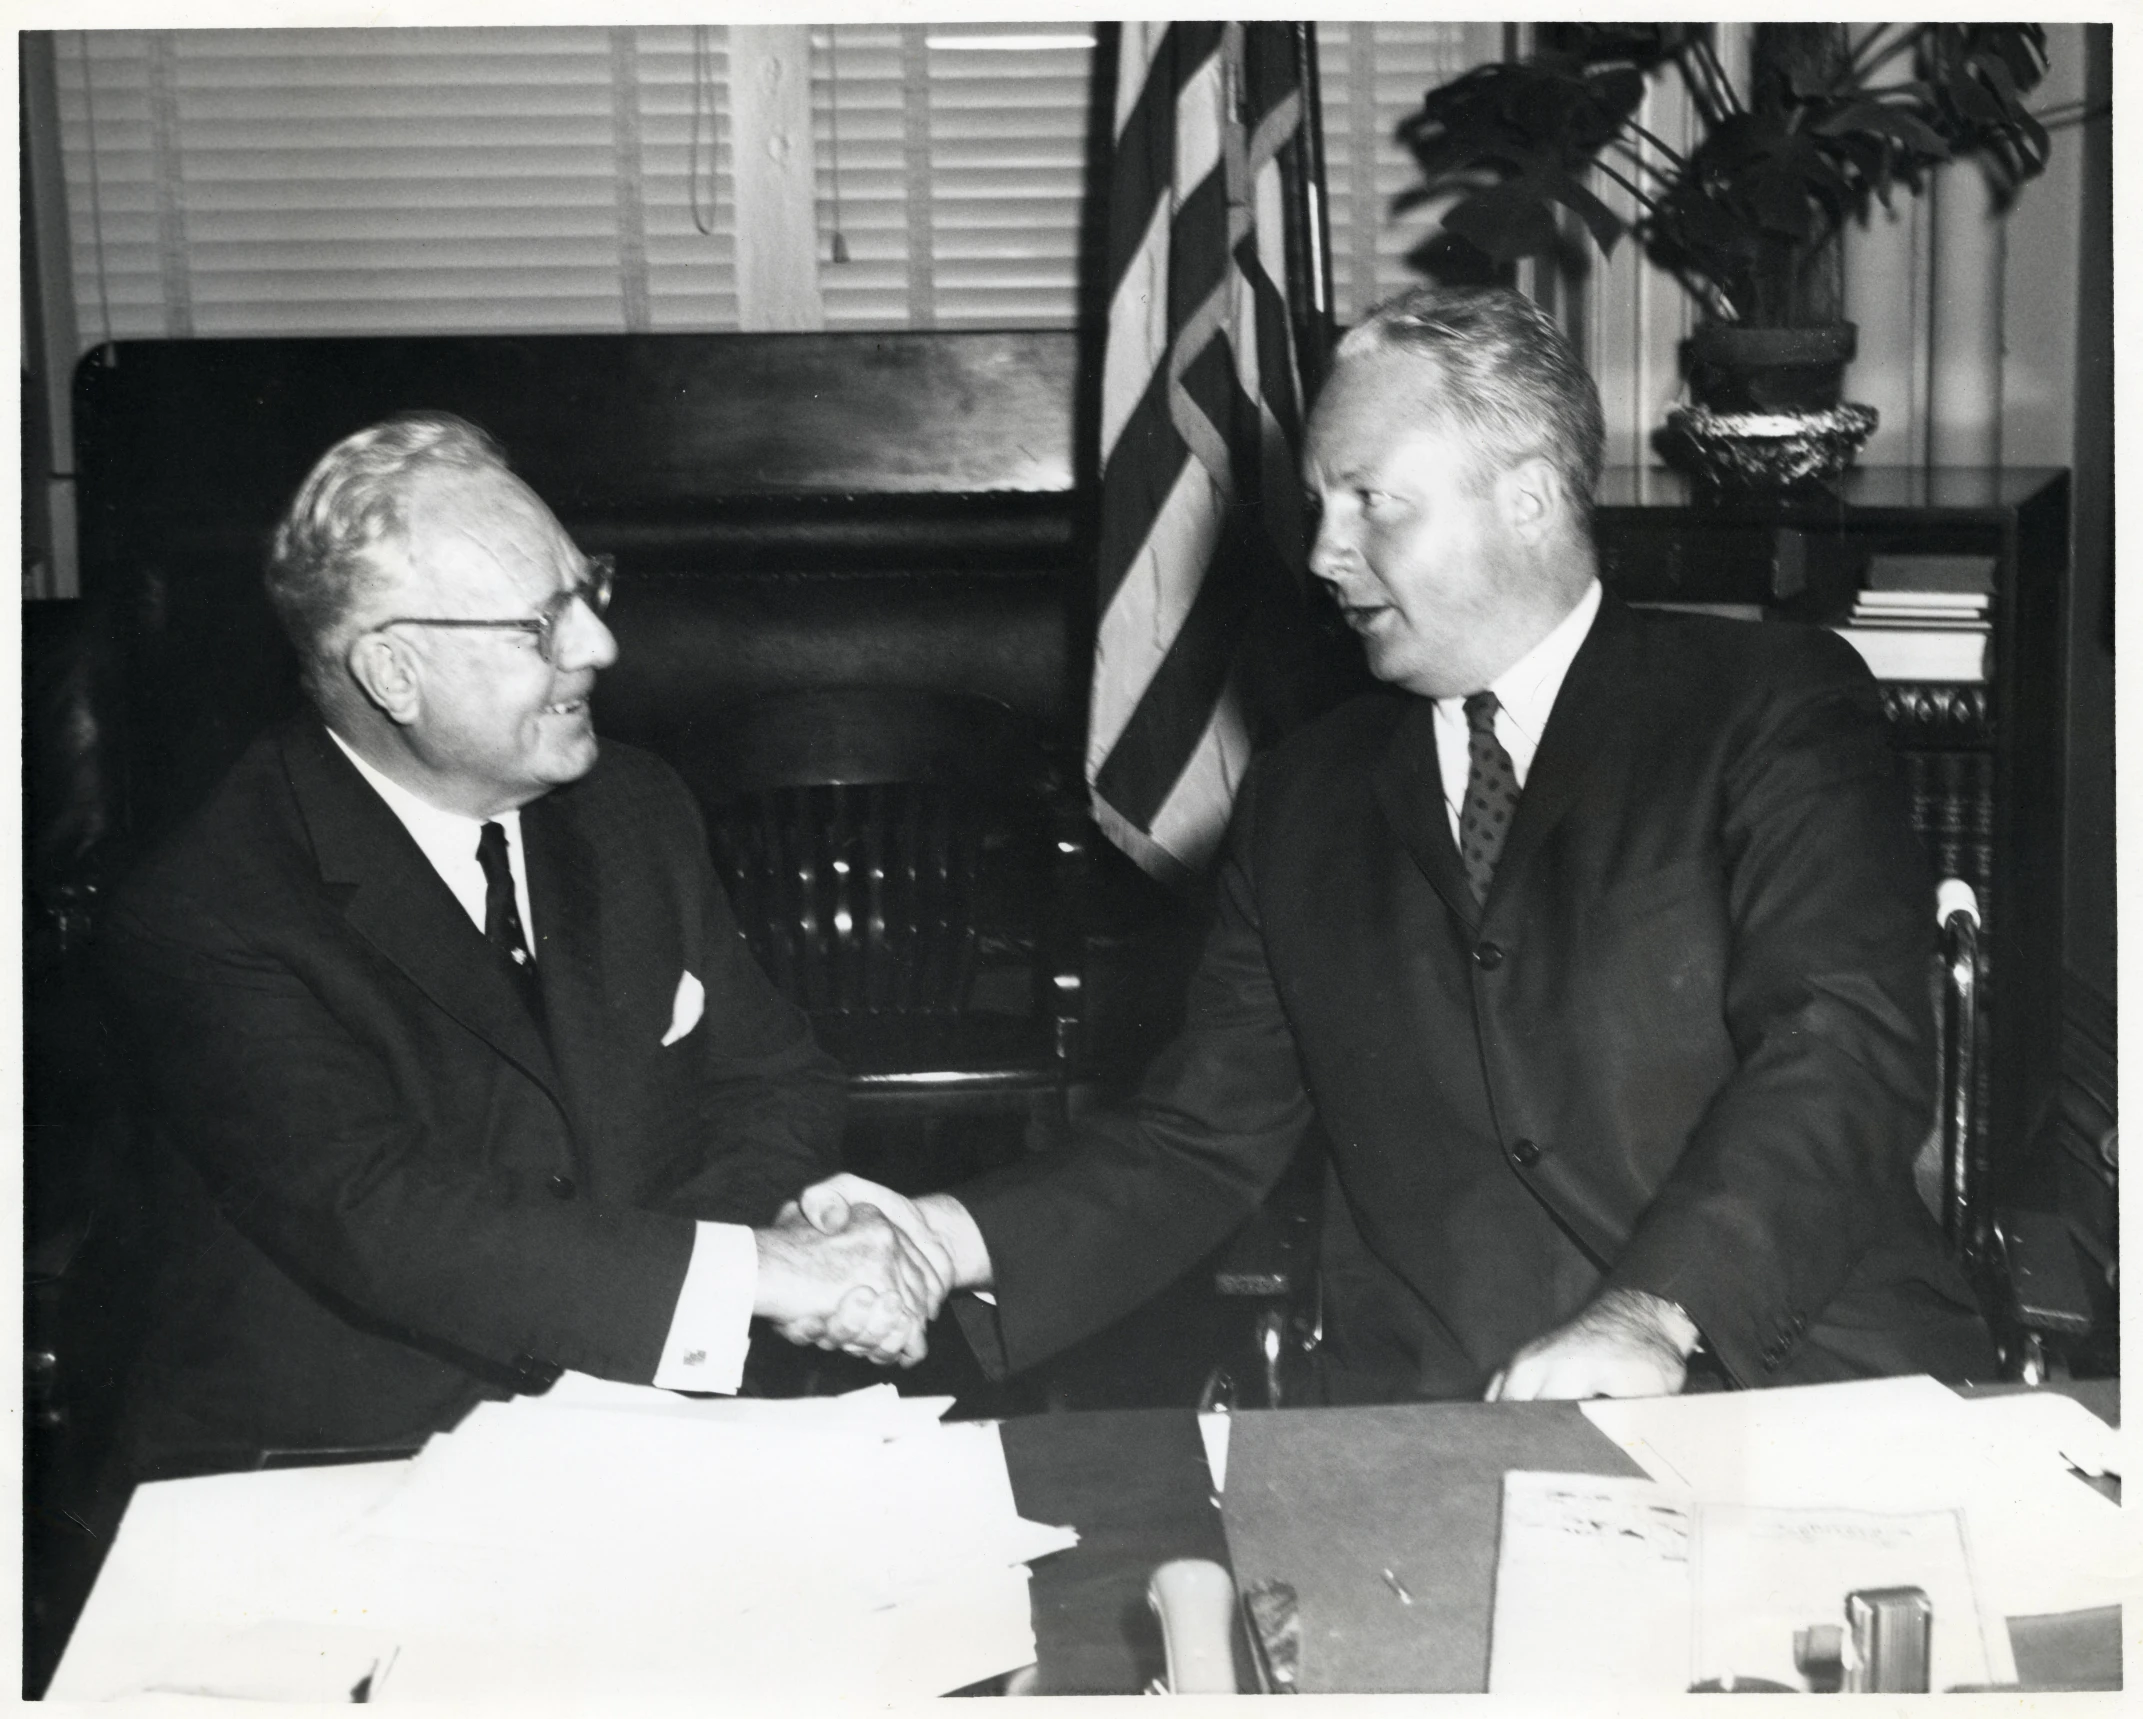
(1685, 1046)
(396, 1197)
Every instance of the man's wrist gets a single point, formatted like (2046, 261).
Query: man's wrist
(1669, 1318)
(961, 1237)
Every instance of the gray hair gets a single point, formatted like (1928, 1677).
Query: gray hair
(326, 554)
(1513, 386)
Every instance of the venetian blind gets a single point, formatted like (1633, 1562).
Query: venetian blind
(348, 181)
(952, 160)
(263, 182)
(454, 181)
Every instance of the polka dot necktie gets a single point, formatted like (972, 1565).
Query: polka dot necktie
(1491, 795)
(502, 918)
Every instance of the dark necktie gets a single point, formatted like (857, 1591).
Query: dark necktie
(1491, 795)
(502, 918)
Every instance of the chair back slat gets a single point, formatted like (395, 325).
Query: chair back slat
(852, 828)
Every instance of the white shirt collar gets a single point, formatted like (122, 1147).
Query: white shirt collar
(448, 840)
(1525, 694)
(1527, 690)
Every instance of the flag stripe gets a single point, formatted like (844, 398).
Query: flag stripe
(1191, 822)
(1140, 625)
(1138, 333)
(1201, 411)
(1138, 44)
(1136, 485)
(1151, 750)
(1141, 174)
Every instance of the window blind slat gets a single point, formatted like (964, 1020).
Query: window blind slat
(353, 181)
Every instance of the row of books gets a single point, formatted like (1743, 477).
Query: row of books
(1923, 617)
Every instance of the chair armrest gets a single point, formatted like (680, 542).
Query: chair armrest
(2046, 1285)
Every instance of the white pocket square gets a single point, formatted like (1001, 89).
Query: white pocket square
(686, 1010)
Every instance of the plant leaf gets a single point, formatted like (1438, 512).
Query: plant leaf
(1602, 222)
(1883, 120)
(1505, 223)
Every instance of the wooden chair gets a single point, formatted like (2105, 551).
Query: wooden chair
(908, 868)
(2023, 1264)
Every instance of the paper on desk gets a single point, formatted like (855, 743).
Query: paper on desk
(2027, 1425)
(878, 1406)
(202, 1560)
(1213, 1434)
(1618, 1586)
(815, 1503)
(1760, 1575)
(2041, 1540)
(1592, 1587)
(938, 1639)
(616, 1547)
(281, 1662)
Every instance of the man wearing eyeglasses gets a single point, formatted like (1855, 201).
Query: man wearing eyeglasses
(469, 1075)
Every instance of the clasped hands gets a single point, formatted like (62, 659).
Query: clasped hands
(851, 1265)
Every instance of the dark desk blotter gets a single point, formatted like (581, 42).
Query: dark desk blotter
(1328, 1499)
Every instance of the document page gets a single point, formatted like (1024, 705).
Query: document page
(2042, 1540)
(1592, 1587)
(1612, 1586)
(610, 1548)
(1764, 1577)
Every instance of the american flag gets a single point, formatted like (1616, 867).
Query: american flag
(1201, 412)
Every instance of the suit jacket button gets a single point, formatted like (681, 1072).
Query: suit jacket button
(1525, 1154)
(562, 1186)
(1488, 956)
(534, 1376)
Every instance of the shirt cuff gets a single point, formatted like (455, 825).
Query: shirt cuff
(711, 1328)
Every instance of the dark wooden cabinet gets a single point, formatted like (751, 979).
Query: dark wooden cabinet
(1983, 761)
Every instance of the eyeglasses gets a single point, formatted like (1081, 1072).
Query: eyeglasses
(591, 588)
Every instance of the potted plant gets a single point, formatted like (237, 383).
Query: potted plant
(1747, 219)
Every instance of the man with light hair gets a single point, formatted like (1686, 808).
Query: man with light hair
(466, 1072)
(1596, 941)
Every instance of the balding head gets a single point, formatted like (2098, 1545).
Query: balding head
(343, 539)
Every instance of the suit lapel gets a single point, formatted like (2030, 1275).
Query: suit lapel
(1409, 787)
(565, 899)
(399, 904)
(1584, 711)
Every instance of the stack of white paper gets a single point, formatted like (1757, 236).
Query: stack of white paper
(2041, 1540)
(605, 1545)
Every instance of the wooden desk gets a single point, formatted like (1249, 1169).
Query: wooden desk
(1135, 1485)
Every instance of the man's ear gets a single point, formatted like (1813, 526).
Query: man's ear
(1531, 494)
(386, 673)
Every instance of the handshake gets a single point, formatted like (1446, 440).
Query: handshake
(853, 1266)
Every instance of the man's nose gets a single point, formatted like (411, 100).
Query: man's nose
(1331, 548)
(584, 640)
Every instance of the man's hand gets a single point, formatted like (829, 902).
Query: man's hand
(1626, 1343)
(860, 1287)
(937, 1226)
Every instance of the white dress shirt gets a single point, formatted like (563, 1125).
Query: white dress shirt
(710, 1327)
(1525, 693)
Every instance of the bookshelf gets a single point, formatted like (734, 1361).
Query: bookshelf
(1982, 760)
